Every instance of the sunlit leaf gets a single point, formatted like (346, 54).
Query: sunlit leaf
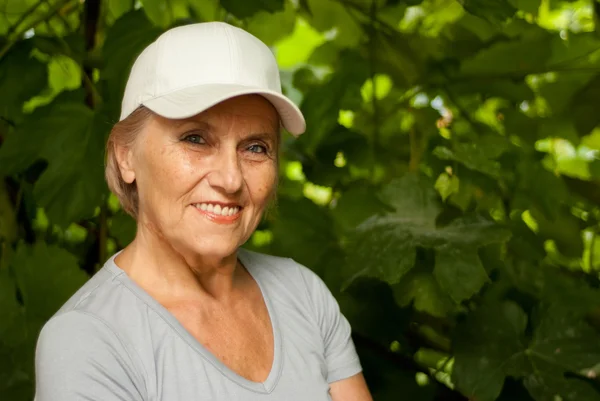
(272, 27)
(244, 9)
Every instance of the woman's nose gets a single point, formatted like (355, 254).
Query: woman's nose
(227, 174)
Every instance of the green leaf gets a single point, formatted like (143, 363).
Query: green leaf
(356, 205)
(459, 272)
(15, 90)
(447, 185)
(470, 155)
(321, 105)
(47, 276)
(383, 251)
(499, 59)
(384, 247)
(116, 8)
(165, 13)
(125, 40)
(529, 6)
(487, 346)
(272, 27)
(491, 10)
(581, 109)
(9, 307)
(419, 288)
(75, 175)
(245, 9)
(123, 228)
(562, 343)
(491, 345)
(302, 231)
(328, 14)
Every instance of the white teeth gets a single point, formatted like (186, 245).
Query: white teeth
(216, 209)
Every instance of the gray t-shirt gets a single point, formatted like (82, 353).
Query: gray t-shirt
(113, 341)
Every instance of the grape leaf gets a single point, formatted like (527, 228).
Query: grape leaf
(17, 64)
(384, 247)
(459, 272)
(47, 276)
(491, 344)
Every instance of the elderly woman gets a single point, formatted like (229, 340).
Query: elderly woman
(183, 312)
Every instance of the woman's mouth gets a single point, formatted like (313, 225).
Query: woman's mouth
(217, 212)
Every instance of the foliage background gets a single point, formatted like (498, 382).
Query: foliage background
(447, 188)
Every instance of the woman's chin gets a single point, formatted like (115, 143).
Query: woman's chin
(211, 249)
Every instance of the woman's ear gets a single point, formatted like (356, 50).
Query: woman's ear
(124, 156)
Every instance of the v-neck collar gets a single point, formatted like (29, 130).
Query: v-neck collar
(247, 261)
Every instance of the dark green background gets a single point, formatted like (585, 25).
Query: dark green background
(447, 188)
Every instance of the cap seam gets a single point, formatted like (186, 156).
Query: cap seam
(158, 63)
(231, 63)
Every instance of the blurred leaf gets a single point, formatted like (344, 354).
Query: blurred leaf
(15, 91)
(125, 40)
(581, 109)
(272, 27)
(76, 169)
(327, 14)
(165, 13)
(471, 156)
(311, 228)
(492, 10)
(244, 9)
(446, 185)
(356, 205)
(529, 6)
(47, 277)
(498, 59)
(123, 228)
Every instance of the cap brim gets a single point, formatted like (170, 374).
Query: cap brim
(190, 101)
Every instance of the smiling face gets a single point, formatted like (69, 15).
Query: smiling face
(204, 182)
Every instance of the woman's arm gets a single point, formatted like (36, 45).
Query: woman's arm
(353, 388)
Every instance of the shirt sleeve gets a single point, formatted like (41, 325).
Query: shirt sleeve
(340, 354)
(78, 357)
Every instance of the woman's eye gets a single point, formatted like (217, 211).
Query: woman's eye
(257, 149)
(194, 138)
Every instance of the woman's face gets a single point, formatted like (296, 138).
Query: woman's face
(204, 182)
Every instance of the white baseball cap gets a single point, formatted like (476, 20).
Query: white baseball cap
(191, 68)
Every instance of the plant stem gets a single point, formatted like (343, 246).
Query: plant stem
(15, 37)
(23, 17)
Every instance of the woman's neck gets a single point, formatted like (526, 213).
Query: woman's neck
(166, 272)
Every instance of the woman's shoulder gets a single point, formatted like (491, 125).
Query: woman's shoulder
(103, 301)
(284, 273)
(275, 265)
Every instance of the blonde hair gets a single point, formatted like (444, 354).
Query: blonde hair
(124, 133)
